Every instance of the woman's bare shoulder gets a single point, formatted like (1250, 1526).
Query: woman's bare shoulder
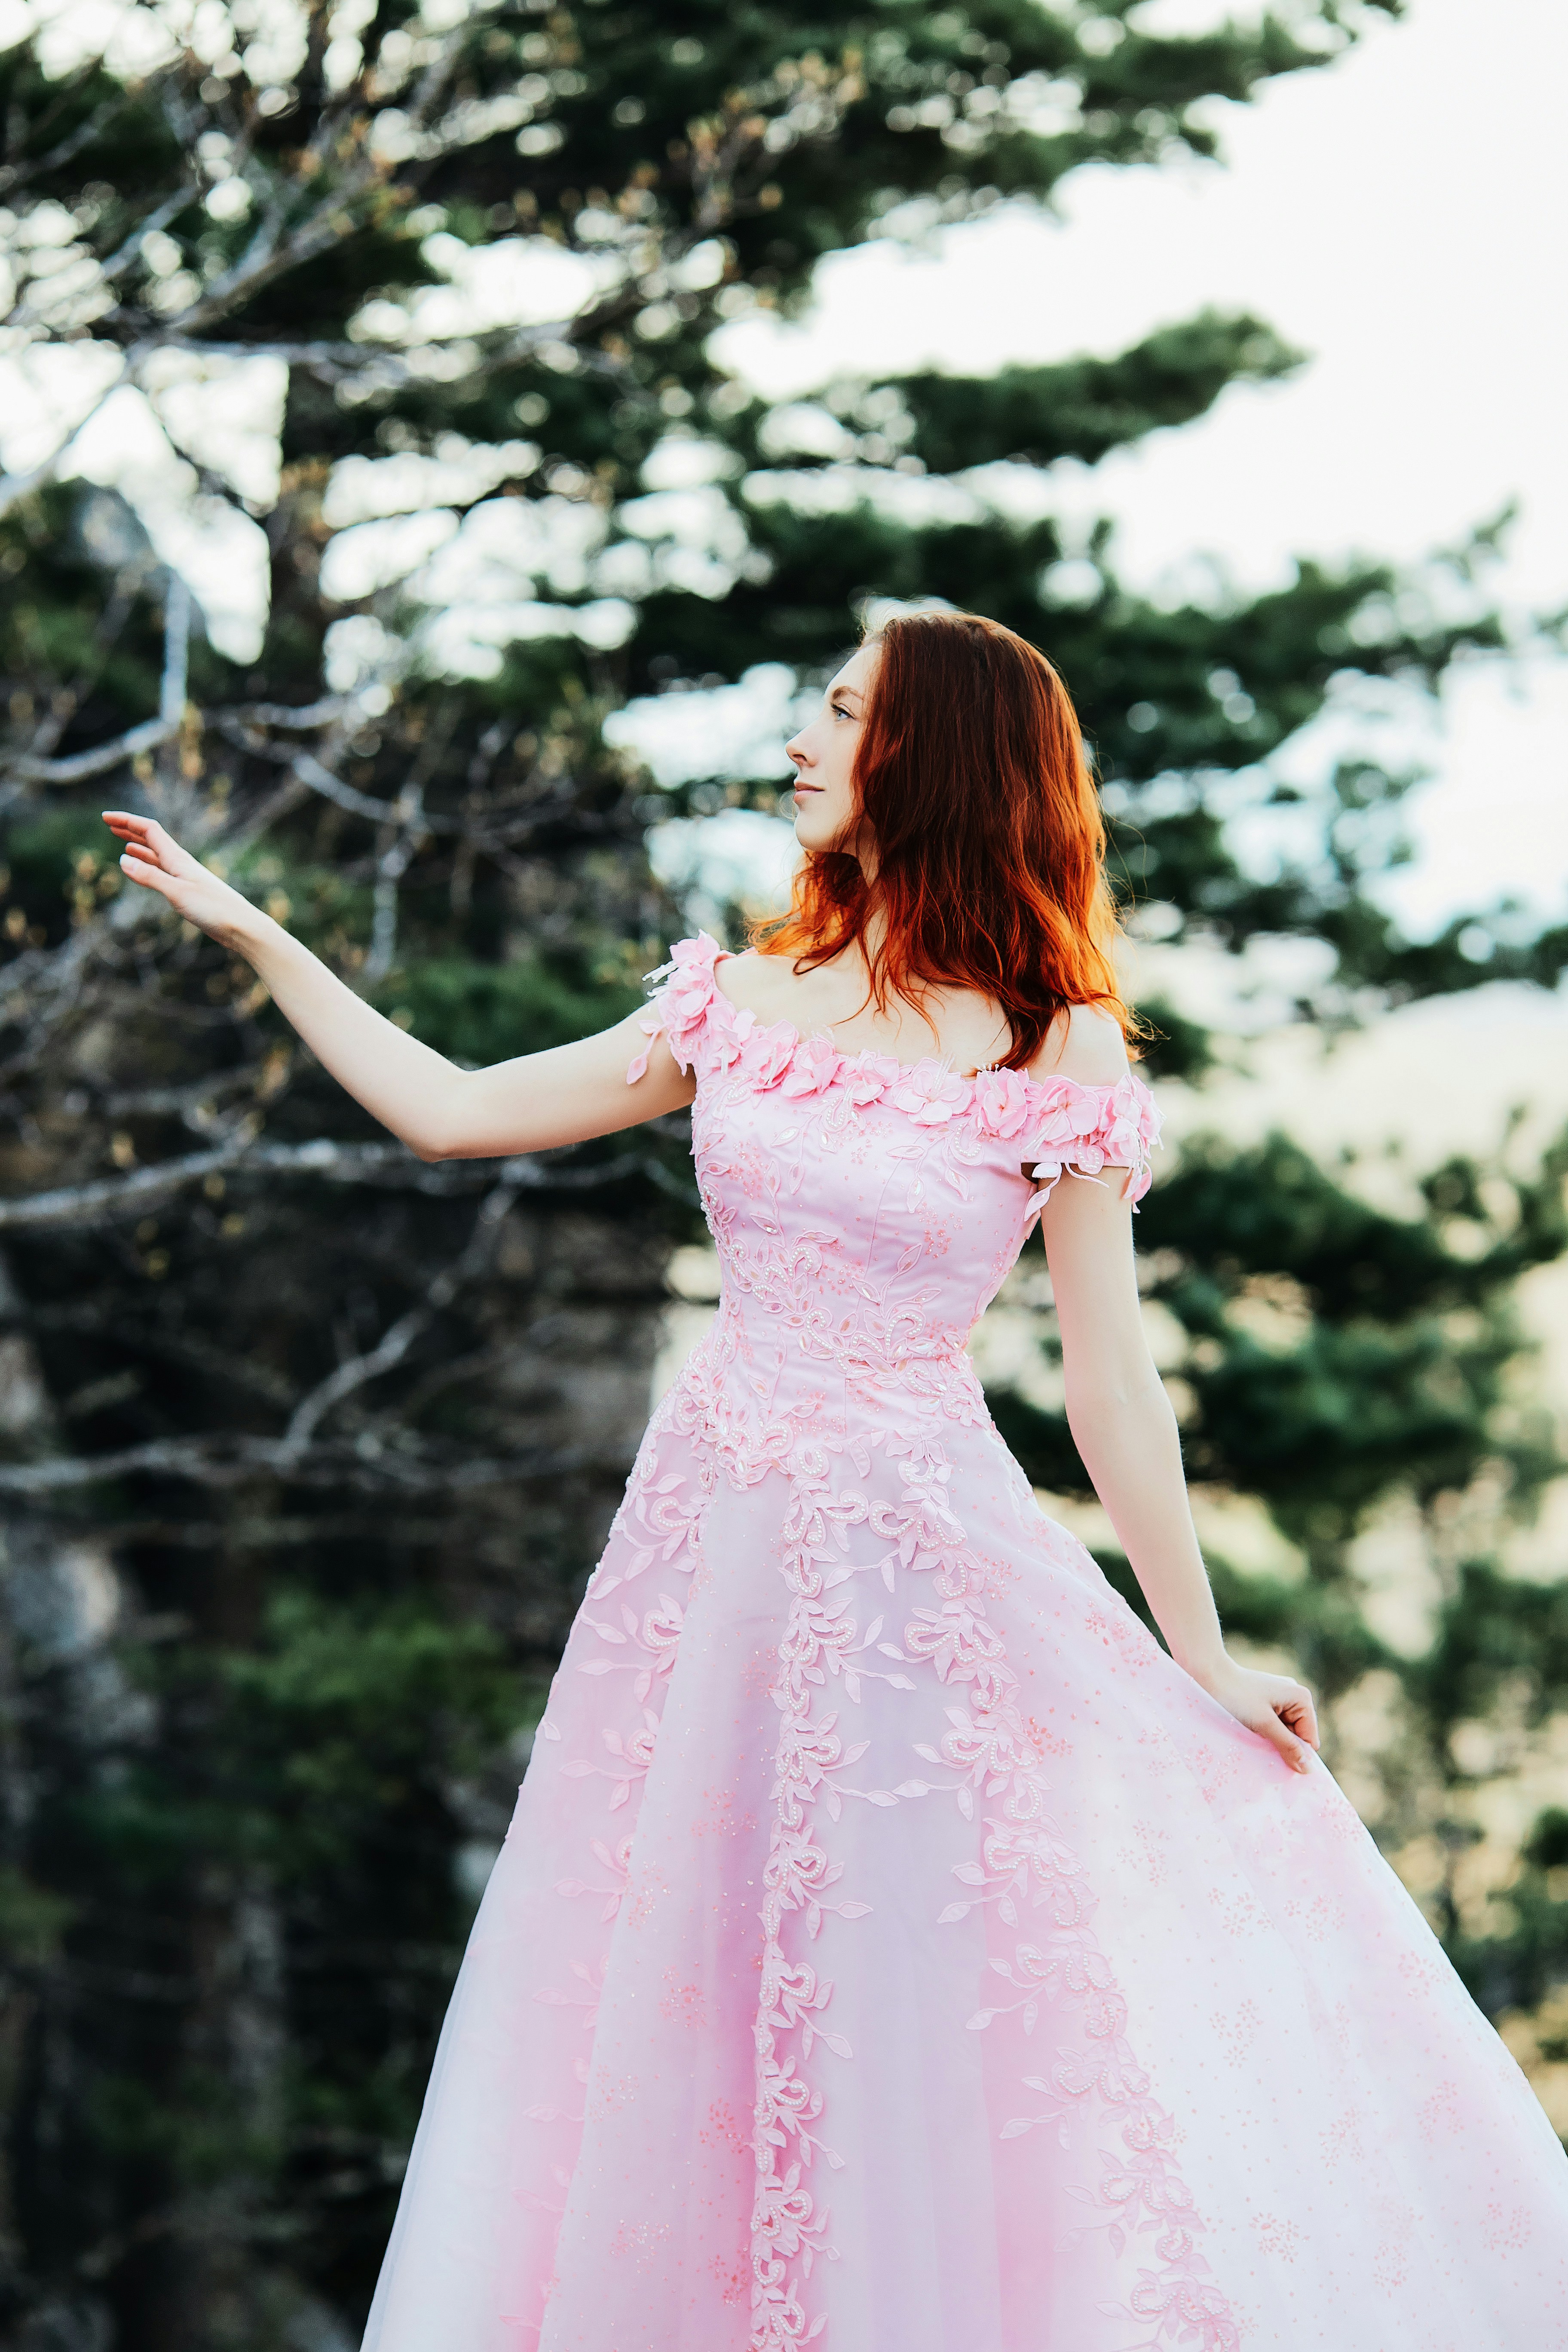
(757, 981)
(1085, 1044)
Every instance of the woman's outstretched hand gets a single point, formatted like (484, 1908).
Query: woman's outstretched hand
(535, 1103)
(154, 859)
(1276, 1708)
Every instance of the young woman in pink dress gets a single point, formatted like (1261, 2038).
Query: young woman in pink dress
(895, 1949)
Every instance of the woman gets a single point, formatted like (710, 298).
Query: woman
(895, 1949)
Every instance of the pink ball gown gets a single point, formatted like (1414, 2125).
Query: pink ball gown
(893, 1950)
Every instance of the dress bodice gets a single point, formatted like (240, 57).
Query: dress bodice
(867, 1210)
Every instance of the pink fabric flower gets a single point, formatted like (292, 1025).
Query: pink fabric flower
(1123, 1139)
(1074, 1112)
(930, 1093)
(815, 1066)
(1002, 1101)
(768, 1052)
(1089, 1129)
(682, 1005)
(866, 1077)
(729, 1030)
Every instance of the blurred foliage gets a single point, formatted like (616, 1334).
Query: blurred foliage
(307, 1447)
(477, 1012)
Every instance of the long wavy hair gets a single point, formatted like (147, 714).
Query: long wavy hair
(990, 844)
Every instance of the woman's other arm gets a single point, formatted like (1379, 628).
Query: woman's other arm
(1125, 1431)
(562, 1095)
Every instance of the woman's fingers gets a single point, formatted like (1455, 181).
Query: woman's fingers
(1270, 1727)
(136, 835)
(1273, 1706)
(142, 865)
(1290, 1723)
(147, 838)
(126, 828)
(1302, 1716)
(151, 876)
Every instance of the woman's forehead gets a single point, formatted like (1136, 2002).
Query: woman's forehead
(854, 676)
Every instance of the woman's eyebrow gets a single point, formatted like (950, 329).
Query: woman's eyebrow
(843, 694)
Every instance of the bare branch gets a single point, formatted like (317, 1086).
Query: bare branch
(251, 1531)
(176, 651)
(391, 867)
(299, 716)
(390, 1166)
(13, 176)
(147, 737)
(395, 1342)
(234, 1461)
(64, 705)
(85, 1205)
(120, 261)
(128, 1330)
(149, 734)
(488, 829)
(265, 259)
(193, 1103)
(54, 971)
(310, 772)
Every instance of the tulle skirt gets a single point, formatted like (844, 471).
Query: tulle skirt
(894, 1951)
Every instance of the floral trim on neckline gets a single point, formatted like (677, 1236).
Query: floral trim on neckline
(1067, 1126)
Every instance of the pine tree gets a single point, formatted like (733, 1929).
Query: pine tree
(307, 1446)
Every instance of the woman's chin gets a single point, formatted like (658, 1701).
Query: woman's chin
(812, 830)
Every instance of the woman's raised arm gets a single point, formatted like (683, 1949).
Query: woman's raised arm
(562, 1095)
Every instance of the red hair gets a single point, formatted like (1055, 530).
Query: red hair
(990, 844)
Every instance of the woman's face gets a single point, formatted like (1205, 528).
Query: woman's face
(826, 810)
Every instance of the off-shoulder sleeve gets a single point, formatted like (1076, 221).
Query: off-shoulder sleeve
(681, 1005)
(1086, 1129)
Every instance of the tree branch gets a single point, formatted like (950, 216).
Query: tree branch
(147, 737)
(395, 1342)
(234, 1461)
(391, 1166)
(149, 734)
